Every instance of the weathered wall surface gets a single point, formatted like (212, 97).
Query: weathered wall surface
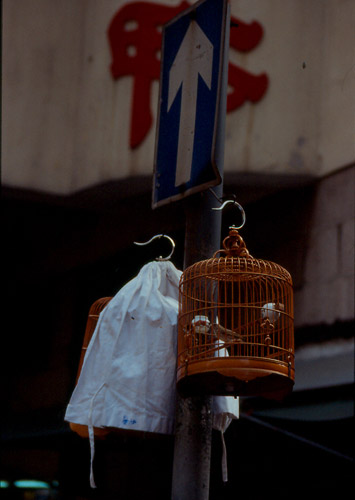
(66, 121)
(327, 292)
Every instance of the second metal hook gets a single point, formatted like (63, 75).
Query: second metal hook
(241, 209)
(156, 237)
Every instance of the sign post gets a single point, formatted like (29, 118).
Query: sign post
(186, 159)
(189, 157)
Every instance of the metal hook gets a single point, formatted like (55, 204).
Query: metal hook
(154, 238)
(227, 202)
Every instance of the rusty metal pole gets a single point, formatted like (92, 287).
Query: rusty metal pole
(193, 434)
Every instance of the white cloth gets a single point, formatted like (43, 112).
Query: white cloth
(224, 410)
(129, 371)
(128, 377)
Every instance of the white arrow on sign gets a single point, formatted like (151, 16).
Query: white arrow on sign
(194, 57)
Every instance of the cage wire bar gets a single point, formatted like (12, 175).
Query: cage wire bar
(235, 325)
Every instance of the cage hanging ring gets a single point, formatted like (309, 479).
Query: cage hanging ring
(154, 238)
(241, 209)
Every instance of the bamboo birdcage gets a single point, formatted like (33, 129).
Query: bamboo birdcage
(94, 312)
(235, 325)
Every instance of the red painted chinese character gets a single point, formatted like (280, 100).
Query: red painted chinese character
(135, 40)
(246, 87)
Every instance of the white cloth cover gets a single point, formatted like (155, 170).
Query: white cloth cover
(224, 410)
(128, 377)
(129, 372)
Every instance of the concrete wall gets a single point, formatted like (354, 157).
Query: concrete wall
(327, 291)
(66, 120)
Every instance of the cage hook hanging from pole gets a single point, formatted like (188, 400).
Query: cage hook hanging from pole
(240, 208)
(160, 258)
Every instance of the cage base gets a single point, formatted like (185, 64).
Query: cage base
(230, 377)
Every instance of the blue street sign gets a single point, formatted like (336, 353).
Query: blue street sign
(188, 116)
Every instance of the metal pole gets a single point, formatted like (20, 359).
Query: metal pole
(193, 434)
(192, 452)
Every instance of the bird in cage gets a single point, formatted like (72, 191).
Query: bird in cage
(201, 325)
(271, 312)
